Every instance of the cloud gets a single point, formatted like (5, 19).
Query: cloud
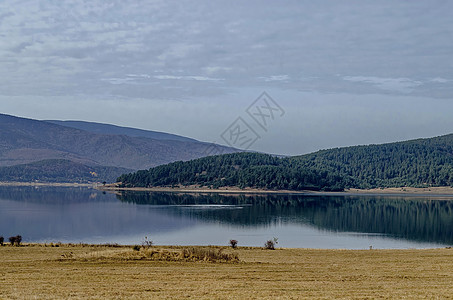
(216, 69)
(441, 80)
(199, 78)
(222, 52)
(63, 45)
(178, 51)
(403, 85)
(138, 75)
(275, 78)
(126, 80)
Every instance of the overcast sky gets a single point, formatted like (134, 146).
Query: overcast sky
(341, 72)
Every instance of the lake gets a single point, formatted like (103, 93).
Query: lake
(50, 214)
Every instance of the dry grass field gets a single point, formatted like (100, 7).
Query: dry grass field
(38, 272)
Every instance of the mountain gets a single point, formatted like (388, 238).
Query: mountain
(60, 170)
(418, 163)
(118, 130)
(26, 141)
(235, 170)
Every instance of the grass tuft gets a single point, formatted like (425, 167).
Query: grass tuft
(154, 254)
(211, 255)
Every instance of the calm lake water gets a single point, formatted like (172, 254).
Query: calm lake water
(350, 222)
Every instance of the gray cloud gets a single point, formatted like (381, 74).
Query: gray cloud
(207, 53)
(403, 85)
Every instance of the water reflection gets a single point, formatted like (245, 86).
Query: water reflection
(78, 215)
(419, 219)
(87, 215)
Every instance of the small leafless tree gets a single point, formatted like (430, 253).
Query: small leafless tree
(233, 243)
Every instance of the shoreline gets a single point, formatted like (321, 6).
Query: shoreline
(56, 184)
(406, 191)
(225, 247)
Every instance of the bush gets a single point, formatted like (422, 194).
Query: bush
(233, 244)
(147, 243)
(2, 239)
(15, 240)
(270, 244)
(136, 248)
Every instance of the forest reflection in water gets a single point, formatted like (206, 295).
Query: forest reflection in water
(47, 214)
(424, 219)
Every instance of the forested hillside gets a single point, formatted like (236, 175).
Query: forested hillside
(59, 170)
(423, 162)
(239, 169)
(416, 163)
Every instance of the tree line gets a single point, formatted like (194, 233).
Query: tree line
(416, 163)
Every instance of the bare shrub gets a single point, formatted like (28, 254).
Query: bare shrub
(147, 243)
(15, 240)
(270, 244)
(233, 244)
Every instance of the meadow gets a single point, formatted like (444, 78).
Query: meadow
(91, 271)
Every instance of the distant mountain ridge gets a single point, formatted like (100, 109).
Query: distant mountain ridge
(101, 128)
(415, 163)
(27, 141)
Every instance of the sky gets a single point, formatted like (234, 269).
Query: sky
(335, 73)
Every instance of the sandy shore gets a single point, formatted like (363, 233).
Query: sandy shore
(232, 190)
(202, 190)
(62, 184)
(445, 190)
(441, 190)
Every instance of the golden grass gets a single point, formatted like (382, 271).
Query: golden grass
(205, 254)
(95, 272)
